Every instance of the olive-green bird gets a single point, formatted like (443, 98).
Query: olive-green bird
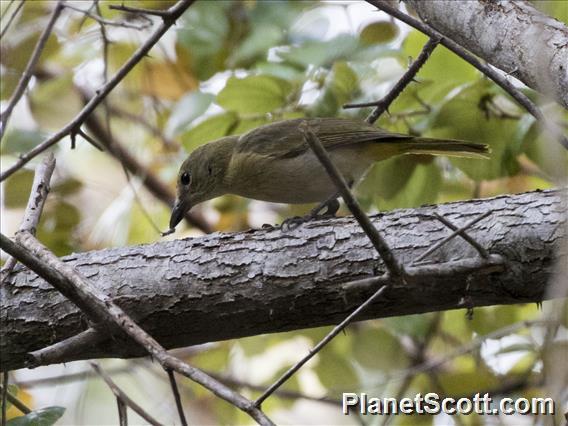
(274, 162)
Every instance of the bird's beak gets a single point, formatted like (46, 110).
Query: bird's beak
(178, 212)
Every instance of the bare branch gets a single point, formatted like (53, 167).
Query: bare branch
(451, 236)
(103, 21)
(467, 348)
(190, 281)
(28, 71)
(383, 104)
(177, 397)
(500, 80)
(32, 214)
(122, 396)
(15, 401)
(395, 269)
(173, 13)
(480, 249)
(4, 396)
(101, 309)
(328, 338)
(12, 16)
(140, 11)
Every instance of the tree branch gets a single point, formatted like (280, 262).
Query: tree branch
(383, 104)
(100, 309)
(499, 79)
(119, 393)
(174, 13)
(513, 36)
(28, 71)
(32, 214)
(270, 281)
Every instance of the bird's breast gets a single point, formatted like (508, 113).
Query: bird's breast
(298, 180)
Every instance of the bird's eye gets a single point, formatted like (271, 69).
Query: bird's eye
(185, 178)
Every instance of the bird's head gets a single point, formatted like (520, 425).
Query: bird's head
(200, 177)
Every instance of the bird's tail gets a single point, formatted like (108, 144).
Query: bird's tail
(449, 147)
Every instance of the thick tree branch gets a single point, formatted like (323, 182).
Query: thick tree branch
(511, 35)
(226, 286)
(552, 128)
(100, 309)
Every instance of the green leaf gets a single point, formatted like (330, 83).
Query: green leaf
(378, 32)
(335, 371)
(256, 45)
(55, 102)
(254, 94)
(57, 226)
(387, 178)
(42, 417)
(18, 141)
(213, 128)
(489, 319)
(411, 185)
(444, 68)
(339, 87)
(410, 325)
(544, 150)
(203, 34)
(67, 187)
(321, 53)
(462, 116)
(190, 107)
(280, 70)
(378, 349)
(17, 189)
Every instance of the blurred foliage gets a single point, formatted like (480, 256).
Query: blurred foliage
(228, 67)
(43, 417)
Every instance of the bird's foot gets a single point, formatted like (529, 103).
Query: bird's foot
(292, 223)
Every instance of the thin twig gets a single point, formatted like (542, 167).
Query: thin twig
(173, 13)
(4, 396)
(383, 104)
(16, 402)
(500, 80)
(102, 310)
(432, 364)
(28, 71)
(12, 16)
(90, 139)
(452, 236)
(66, 347)
(36, 201)
(281, 393)
(395, 269)
(140, 11)
(103, 21)
(122, 396)
(336, 330)
(122, 412)
(480, 249)
(71, 377)
(177, 396)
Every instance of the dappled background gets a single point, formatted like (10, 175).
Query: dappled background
(227, 67)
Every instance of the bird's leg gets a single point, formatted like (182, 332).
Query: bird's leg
(331, 205)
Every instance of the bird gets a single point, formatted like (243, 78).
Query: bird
(274, 162)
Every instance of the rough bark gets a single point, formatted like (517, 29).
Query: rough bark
(511, 35)
(223, 286)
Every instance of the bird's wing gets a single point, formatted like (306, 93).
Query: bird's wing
(283, 139)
